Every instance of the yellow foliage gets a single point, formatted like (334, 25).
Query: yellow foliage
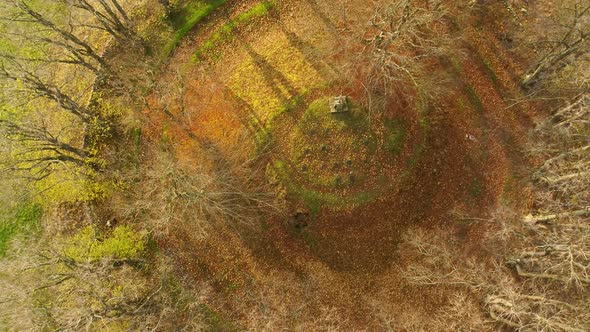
(89, 245)
(270, 86)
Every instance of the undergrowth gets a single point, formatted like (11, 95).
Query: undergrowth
(89, 244)
(22, 220)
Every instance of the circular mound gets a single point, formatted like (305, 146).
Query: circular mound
(339, 159)
(330, 149)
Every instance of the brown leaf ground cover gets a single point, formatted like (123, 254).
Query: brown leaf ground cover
(360, 181)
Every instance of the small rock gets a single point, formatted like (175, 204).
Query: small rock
(339, 104)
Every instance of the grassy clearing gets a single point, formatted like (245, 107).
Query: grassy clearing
(328, 159)
(23, 220)
(185, 20)
(225, 33)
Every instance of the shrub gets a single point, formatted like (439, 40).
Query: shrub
(90, 245)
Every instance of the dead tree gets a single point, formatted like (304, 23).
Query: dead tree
(565, 173)
(401, 38)
(569, 42)
(32, 85)
(506, 301)
(35, 26)
(561, 251)
(111, 17)
(528, 312)
(36, 151)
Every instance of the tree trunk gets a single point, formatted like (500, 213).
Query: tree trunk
(530, 219)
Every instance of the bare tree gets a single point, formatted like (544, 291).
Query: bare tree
(62, 37)
(401, 38)
(57, 292)
(566, 42)
(38, 150)
(63, 283)
(564, 176)
(507, 302)
(199, 198)
(111, 17)
(24, 80)
(532, 312)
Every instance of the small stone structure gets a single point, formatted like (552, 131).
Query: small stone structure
(339, 104)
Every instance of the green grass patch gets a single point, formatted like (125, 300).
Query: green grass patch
(313, 199)
(476, 188)
(395, 135)
(23, 220)
(215, 322)
(420, 147)
(491, 73)
(131, 154)
(226, 32)
(288, 106)
(319, 111)
(185, 19)
(473, 98)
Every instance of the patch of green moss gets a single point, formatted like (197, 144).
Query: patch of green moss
(225, 33)
(314, 200)
(293, 103)
(214, 321)
(395, 135)
(288, 106)
(473, 98)
(491, 73)
(476, 188)
(184, 20)
(22, 220)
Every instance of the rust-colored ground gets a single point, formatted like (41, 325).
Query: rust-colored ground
(342, 268)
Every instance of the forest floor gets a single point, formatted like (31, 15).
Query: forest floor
(353, 184)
